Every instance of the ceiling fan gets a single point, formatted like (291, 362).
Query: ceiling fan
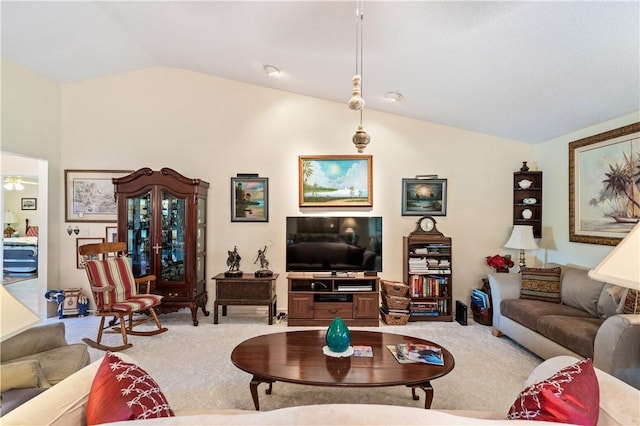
(16, 183)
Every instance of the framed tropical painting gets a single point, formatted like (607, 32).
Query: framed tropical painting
(424, 197)
(249, 199)
(335, 181)
(604, 186)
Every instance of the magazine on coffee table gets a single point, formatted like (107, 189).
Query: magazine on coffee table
(416, 352)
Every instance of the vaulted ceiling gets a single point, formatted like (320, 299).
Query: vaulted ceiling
(528, 71)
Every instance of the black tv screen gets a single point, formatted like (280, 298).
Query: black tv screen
(333, 243)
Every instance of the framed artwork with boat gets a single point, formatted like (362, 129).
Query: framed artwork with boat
(604, 186)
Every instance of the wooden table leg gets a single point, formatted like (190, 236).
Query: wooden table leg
(253, 387)
(215, 312)
(428, 391)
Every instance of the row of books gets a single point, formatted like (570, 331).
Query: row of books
(423, 286)
(433, 249)
(428, 307)
(480, 299)
(417, 353)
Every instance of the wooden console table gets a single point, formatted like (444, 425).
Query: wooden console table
(245, 290)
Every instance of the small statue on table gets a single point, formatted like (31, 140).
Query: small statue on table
(233, 262)
(264, 264)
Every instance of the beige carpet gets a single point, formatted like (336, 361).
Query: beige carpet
(193, 367)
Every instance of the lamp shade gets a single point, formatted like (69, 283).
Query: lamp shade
(522, 238)
(9, 217)
(15, 317)
(622, 265)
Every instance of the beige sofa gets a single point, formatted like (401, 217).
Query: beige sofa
(584, 325)
(65, 404)
(36, 359)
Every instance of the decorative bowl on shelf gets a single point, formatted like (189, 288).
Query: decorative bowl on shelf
(529, 201)
(527, 214)
(524, 183)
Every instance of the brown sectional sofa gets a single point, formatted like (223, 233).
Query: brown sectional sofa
(585, 324)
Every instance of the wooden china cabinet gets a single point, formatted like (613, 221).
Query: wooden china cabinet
(162, 215)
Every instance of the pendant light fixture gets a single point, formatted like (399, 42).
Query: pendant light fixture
(361, 138)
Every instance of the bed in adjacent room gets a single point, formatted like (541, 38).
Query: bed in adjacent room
(20, 254)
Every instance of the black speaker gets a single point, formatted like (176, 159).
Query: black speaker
(461, 312)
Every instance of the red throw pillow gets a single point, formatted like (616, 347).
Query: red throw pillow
(570, 396)
(123, 391)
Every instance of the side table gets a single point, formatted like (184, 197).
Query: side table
(245, 290)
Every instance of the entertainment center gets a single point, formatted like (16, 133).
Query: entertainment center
(315, 299)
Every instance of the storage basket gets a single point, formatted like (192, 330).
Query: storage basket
(394, 319)
(395, 288)
(396, 302)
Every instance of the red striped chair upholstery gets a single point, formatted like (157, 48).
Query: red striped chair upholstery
(117, 295)
(117, 272)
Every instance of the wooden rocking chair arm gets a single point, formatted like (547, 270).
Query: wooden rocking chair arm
(146, 279)
(102, 289)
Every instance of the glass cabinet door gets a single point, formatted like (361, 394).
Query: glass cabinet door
(139, 233)
(173, 225)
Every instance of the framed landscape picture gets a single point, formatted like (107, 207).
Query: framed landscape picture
(249, 199)
(422, 197)
(29, 203)
(604, 186)
(89, 195)
(335, 181)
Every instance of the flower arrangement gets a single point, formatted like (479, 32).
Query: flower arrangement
(500, 263)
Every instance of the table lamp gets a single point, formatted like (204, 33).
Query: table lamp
(9, 218)
(15, 317)
(622, 266)
(522, 239)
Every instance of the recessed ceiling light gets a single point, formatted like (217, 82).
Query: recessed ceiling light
(271, 70)
(393, 96)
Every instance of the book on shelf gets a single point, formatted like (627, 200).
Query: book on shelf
(417, 353)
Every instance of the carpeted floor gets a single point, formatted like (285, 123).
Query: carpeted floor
(193, 367)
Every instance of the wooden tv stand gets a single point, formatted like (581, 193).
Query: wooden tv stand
(317, 298)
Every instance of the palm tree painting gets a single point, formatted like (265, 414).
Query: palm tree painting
(608, 186)
(335, 181)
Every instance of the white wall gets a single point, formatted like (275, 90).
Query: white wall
(212, 129)
(13, 202)
(31, 127)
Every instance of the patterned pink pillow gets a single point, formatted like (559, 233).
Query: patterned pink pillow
(123, 391)
(570, 396)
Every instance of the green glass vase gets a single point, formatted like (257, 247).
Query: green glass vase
(338, 337)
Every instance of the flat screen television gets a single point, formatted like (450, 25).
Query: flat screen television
(334, 244)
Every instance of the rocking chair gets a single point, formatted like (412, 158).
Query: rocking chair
(117, 293)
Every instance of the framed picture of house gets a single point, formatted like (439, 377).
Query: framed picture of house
(335, 181)
(81, 241)
(604, 186)
(249, 199)
(422, 197)
(89, 195)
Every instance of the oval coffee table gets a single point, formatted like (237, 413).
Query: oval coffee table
(297, 357)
